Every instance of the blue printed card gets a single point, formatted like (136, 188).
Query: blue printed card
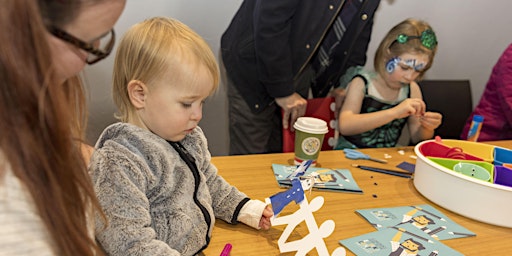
(340, 180)
(397, 241)
(424, 218)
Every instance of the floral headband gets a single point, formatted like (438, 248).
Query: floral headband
(427, 38)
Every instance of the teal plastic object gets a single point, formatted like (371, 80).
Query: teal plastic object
(472, 170)
(478, 174)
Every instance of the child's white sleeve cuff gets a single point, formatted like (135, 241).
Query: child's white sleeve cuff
(251, 213)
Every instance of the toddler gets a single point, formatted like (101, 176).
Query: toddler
(152, 171)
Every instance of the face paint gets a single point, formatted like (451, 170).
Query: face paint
(391, 64)
(411, 63)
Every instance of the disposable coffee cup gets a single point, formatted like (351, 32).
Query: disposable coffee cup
(309, 137)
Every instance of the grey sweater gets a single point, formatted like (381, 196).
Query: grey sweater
(154, 203)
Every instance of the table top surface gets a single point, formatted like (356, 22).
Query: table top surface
(253, 175)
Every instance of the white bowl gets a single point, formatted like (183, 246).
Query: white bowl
(467, 196)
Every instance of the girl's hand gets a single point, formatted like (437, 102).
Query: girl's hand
(265, 218)
(431, 120)
(411, 106)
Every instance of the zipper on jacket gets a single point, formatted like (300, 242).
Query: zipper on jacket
(190, 161)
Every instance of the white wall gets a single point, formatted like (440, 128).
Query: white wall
(471, 39)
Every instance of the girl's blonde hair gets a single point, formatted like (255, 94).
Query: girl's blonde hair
(389, 47)
(149, 49)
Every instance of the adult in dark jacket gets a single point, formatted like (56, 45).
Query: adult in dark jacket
(279, 53)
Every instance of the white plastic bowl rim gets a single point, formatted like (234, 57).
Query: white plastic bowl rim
(456, 174)
(476, 199)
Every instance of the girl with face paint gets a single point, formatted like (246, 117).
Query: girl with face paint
(379, 103)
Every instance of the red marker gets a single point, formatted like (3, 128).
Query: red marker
(226, 250)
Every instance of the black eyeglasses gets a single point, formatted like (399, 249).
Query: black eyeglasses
(106, 43)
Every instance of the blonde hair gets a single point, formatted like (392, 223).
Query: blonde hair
(148, 49)
(389, 47)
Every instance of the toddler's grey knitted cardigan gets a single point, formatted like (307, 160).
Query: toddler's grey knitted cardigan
(150, 196)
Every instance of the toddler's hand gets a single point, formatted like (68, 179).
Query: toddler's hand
(411, 106)
(265, 218)
(431, 120)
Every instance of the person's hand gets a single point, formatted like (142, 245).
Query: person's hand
(431, 120)
(265, 218)
(411, 106)
(339, 96)
(294, 106)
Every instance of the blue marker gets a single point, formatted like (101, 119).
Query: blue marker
(474, 129)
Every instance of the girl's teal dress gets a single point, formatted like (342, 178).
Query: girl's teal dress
(381, 137)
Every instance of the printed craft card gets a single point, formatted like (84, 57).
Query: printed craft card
(325, 179)
(397, 241)
(424, 218)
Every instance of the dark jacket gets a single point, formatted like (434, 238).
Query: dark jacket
(269, 43)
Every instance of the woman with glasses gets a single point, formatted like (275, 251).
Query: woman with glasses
(379, 103)
(46, 197)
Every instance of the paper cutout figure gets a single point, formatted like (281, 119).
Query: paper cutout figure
(336, 180)
(301, 169)
(282, 199)
(315, 238)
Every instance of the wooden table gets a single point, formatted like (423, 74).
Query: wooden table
(253, 175)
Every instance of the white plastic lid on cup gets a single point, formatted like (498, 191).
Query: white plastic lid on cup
(311, 125)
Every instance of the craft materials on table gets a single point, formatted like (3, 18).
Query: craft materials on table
(417, 229)
(355, 154)
(403, 174)
(406, 166)
(301, 169)
(393, 241)
(315, 239)
(338, 180)
(423, 217)
(468, 186)
(227, 250)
